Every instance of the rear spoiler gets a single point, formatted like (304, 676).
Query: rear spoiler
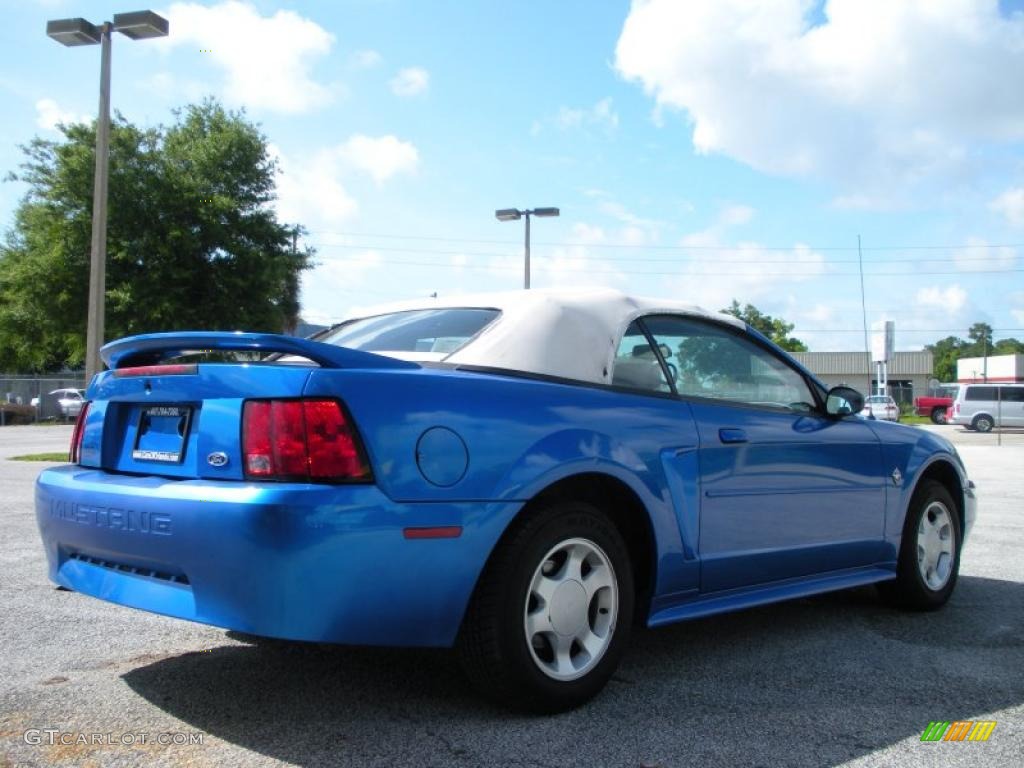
(153, 348)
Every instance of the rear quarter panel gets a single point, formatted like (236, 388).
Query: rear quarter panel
(521, 435)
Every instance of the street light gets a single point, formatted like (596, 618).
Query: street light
(514, 214)
(138, 25)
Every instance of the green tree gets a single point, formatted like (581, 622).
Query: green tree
(774, 328)
(945, 353)
(1009, 346)
(980, 335)
(192, 241)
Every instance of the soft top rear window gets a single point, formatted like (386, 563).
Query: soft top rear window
(430, 333)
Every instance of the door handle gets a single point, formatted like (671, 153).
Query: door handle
(732, 435)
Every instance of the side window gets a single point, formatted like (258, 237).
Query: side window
(980, 393)
(708, 360)
(636, 364)
(1013, 394)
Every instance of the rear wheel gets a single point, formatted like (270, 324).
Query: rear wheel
(983, 423)
(938, 415)
(550, 618)
(929, 560)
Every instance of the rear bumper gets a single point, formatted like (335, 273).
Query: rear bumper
(296, 561)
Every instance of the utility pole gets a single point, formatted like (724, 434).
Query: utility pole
(98, 258)
(864, 313)
(984, 357)
(514, 214)
(291, 324)
(137, 25)
(526, 266)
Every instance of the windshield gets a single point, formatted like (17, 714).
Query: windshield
(423, 333)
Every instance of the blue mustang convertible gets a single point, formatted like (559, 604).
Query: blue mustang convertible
(522, 476)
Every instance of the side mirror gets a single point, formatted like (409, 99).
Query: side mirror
(842, 401)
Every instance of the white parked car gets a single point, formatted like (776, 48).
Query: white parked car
(68, 401)
(984, 406)
(881, 407)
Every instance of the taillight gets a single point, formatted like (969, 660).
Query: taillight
(75, 453)
(176, 369)
(301, 440)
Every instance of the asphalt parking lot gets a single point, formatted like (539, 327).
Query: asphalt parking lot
(832, 680)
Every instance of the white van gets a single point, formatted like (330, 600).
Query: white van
(983, 406)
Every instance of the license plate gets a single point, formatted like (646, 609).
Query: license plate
(161, 433)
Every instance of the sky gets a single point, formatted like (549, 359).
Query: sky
(703, 151)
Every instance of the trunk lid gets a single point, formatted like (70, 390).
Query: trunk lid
(185, 421)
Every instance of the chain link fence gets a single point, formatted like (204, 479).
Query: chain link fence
(903, 393)
(31, 399)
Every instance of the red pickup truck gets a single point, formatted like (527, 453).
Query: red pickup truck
(935, 403)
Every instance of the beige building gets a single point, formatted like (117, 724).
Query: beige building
(910, 373)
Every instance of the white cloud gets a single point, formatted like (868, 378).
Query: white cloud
(1011, 205)
(411, 81)
(979, 256)
(619, 212)
(266, 60)
(459, 262)
(729, 216)
(949, 300)
(337, 281)
(310, 187)
(566, 266)
(184, 89)
(350, 269)
(366, 59)
(818, 315)
(601, 115)
(715, 272)
(381, 157)
(734, 215)
(49, 114)
(746, 271)
(309, 190)
(879, 93)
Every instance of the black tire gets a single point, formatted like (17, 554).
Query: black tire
(938, 415)
(909, 590)
(983, 423)
(493, 647)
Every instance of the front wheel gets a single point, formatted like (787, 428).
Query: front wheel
(551, 615)
(929, 559)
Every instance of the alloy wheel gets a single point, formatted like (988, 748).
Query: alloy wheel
(935, 546)
(571, 609)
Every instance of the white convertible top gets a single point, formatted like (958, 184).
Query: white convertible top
(571, 333)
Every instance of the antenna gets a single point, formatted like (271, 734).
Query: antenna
(864, 312)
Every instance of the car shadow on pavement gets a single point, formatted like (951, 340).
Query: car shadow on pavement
(816, 681)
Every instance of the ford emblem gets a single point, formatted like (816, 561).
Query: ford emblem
(217, 459)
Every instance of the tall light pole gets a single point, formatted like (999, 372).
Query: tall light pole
(137, 25)
(514, 214)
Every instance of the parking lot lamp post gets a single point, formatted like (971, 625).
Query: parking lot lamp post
(514, 214)
(137, 25)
